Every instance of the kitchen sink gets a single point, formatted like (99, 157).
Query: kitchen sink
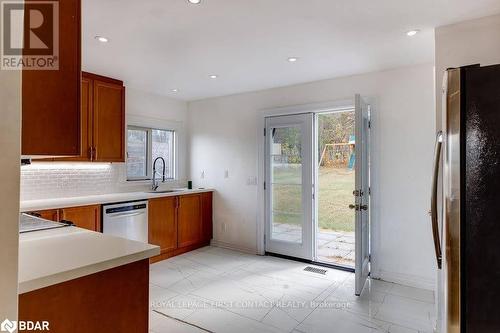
(164, 191)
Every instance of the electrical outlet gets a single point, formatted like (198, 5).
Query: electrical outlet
(202, 174)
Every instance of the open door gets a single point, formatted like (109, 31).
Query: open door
(362, 193)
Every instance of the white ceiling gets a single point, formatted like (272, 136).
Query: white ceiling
(159, 45)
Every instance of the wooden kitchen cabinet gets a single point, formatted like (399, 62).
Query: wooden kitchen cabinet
(87, 217)
(162, 217)
(180, 224)
(51, 98)
(206, 216)
(102, 133)
(113, 300)
(51, 214)
(108, 120)
(189, 220)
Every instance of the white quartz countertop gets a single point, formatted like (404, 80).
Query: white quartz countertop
(53, 256)
(32, 205)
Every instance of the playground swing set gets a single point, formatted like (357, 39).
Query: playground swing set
(339, 155)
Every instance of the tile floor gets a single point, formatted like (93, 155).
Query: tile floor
(218, 290)
(336, 247)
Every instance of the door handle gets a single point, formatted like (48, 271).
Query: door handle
(433, 212)
(358, 207)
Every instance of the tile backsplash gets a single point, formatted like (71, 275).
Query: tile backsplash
(62, 180)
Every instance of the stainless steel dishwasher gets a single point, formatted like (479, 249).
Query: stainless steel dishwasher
(127, 220)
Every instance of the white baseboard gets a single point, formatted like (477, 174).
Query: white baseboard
(233, 247)
(405, 279)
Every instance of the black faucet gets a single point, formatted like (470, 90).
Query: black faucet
(155, 185)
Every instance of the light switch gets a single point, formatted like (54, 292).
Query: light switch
(252, 181)
(226, 174)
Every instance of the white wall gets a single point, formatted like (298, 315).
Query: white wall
(223, 135)
(56, 180)
(10, 145)
(466, 43)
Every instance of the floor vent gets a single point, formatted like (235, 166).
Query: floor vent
(315, 270)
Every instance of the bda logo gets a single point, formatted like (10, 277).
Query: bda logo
(8, 326)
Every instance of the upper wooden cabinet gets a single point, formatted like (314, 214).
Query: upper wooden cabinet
(51, 98)
(108, 120)
(102, 120)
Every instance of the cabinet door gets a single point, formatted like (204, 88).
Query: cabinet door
(189, 220)
(85, 123)
(51, 98)
(109, 121)
(206, 215)
(51, 214)
(87, 217)
(162, 214)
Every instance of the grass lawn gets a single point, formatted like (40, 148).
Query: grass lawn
(335, 196)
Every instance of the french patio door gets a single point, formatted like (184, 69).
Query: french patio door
(289, 185)
(289, 188)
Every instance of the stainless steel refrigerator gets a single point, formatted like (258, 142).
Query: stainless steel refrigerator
(466, 201)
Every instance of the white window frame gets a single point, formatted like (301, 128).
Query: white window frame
(149, 153)
(143, 122)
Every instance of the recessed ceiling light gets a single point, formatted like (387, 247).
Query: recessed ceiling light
(102, 39)
(412, 33)
(194, 2)
(175, 90)
(213, 76)
(292, 59)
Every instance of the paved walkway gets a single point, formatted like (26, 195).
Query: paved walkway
(336, 247)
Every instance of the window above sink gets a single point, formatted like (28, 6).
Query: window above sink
(144, 145)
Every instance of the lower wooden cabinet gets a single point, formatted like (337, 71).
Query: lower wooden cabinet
(51, 214)
(206, 217)
(114, 300)
(177, 224)
(189, 220)
(162, 223)
(180, 224)
(87, 217)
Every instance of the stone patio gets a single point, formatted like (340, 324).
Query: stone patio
(336, 247)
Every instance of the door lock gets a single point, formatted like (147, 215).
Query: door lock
(358, 193)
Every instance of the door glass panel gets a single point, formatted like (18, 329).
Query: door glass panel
(336, 183)
(286, 184)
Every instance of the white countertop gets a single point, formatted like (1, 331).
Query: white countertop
(53, 256)
(32, 205)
